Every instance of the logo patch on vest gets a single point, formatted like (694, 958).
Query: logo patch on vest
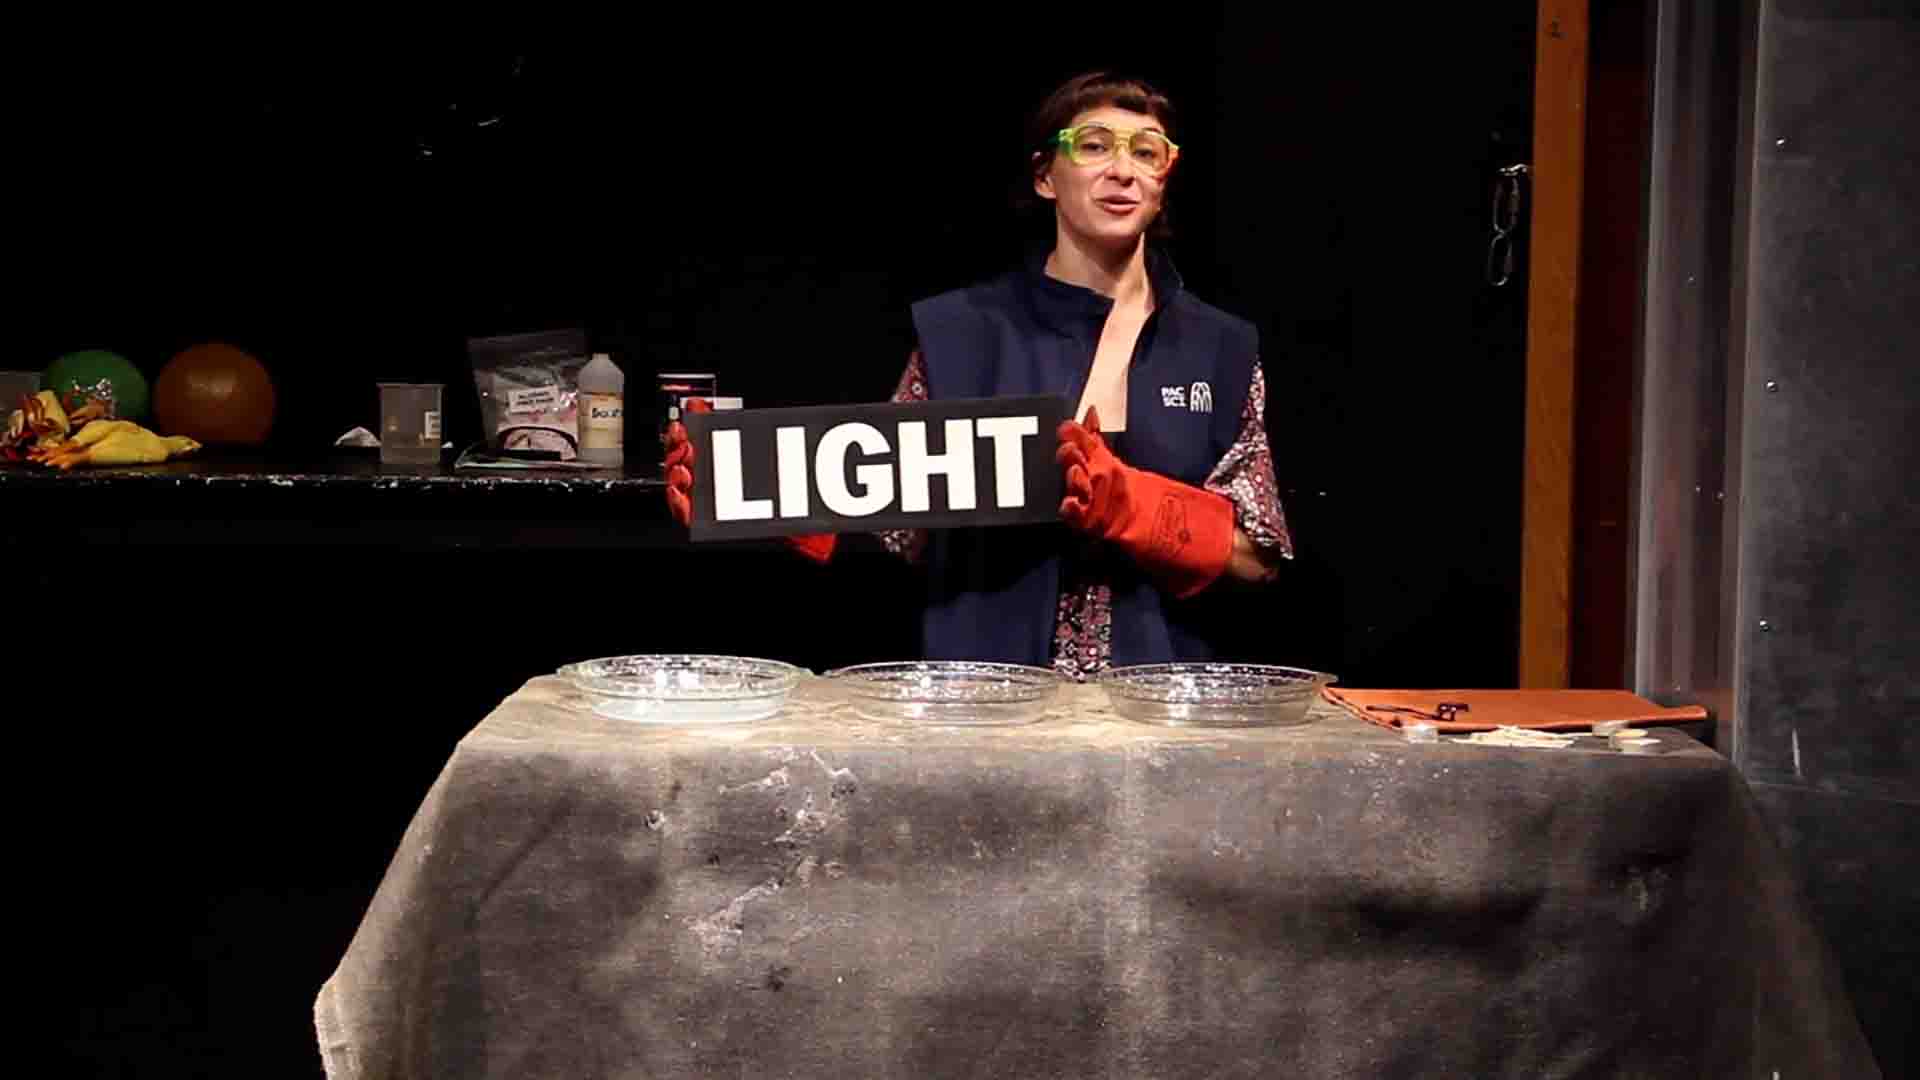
(1195, 398)
(1170, 532)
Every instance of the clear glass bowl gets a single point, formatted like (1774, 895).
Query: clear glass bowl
(958, 692)
(1213, 695)
(684, 688)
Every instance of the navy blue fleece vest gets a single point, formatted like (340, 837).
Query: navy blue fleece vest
(994, 593)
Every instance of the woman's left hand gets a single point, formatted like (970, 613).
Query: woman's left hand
(1181, 534)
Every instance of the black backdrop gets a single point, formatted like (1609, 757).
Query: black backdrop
(757, 198)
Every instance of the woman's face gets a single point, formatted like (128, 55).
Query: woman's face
(1110, 203)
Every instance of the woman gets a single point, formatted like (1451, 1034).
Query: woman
(1170, 492)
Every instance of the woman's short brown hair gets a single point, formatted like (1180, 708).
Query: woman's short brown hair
(1077, 95)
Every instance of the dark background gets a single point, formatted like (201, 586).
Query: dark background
(757, 197)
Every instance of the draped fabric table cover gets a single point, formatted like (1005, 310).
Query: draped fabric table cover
(821, 895)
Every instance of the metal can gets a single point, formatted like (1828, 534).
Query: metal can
(675, 387)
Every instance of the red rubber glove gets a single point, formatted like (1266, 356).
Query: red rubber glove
(1180, 534)
(678, 465)
(817, 547)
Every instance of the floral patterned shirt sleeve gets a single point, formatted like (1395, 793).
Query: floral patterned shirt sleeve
(909, 544)
(1245, 476)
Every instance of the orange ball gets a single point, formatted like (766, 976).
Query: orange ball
(216, 394)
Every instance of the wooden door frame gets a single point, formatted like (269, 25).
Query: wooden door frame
(1553, 297)
(1586, 271)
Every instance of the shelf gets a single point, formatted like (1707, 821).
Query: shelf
(361, 472)
(342, 499)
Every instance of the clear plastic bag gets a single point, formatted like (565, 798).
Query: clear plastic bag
(529, 386)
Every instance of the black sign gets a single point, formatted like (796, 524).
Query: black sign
(858, 468)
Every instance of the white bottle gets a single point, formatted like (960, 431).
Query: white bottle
(602, 412)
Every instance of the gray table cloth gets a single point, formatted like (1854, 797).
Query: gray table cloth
(819, 895)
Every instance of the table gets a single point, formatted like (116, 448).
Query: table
(819, 895)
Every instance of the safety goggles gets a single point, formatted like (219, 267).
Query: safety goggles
(1096, 144)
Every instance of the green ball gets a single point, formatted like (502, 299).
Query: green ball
(87, 369)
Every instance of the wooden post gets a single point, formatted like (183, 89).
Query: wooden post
(1553, 293)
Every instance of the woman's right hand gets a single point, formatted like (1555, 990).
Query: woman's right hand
(678, 465)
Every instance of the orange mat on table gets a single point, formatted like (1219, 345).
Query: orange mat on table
(1484, 710)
